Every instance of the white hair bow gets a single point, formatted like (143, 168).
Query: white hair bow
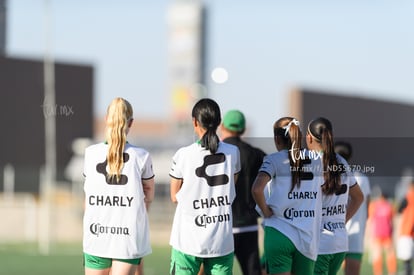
(287, 127)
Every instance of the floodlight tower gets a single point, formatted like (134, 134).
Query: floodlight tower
(186, 60)
(49, 177)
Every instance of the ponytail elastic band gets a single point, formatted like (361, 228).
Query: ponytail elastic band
(287, 127)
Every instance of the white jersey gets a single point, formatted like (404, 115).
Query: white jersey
(356, 225)
(202, 224)
(334, 237)
(296, 213)
(115, 223)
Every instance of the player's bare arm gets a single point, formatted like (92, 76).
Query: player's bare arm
(149, 190)
(356, 199)
(257, 191)
(175, 186)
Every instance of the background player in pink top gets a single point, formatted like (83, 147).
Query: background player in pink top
(381, 215)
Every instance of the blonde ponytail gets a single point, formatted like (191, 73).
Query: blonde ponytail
(119, 114)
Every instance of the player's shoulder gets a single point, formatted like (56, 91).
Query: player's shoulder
(96, 147)
(136, 150)
(279, 155)
(227, 147)
(253, 149)
(340, 159)
(362, 180)
(276, 159)
(190, 149)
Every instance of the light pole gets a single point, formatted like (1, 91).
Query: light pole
(48, 180)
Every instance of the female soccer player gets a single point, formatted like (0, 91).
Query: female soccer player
(336, 209)
(119, 185)
(292, 204)
(357, 224)
(405, 243)
(203, 175)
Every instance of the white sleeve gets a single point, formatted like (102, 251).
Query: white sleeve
(267, 166)
(147, 171)
(175, 171)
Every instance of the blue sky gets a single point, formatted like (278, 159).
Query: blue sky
(363, 48)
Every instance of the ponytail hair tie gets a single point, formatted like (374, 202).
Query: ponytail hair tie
(287, 127)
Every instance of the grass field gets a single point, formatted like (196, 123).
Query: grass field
(19, 259)
(66, 259)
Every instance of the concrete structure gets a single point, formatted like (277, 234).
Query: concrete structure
(24, 109)
(379, 131)
(3, 27)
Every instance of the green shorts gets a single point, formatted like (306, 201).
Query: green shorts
(282, 255)
(329, 264)
(184, 264)
(354, 256)
(95, 262)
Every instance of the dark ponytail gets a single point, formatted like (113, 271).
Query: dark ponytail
(207, 112)
(287, 130)
(321, 130)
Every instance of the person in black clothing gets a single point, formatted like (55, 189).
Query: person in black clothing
(245, 224)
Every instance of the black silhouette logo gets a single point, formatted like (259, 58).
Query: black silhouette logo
(344, 187)
(212, 160)
(305, 175)
(342, 190)
(101, 169)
